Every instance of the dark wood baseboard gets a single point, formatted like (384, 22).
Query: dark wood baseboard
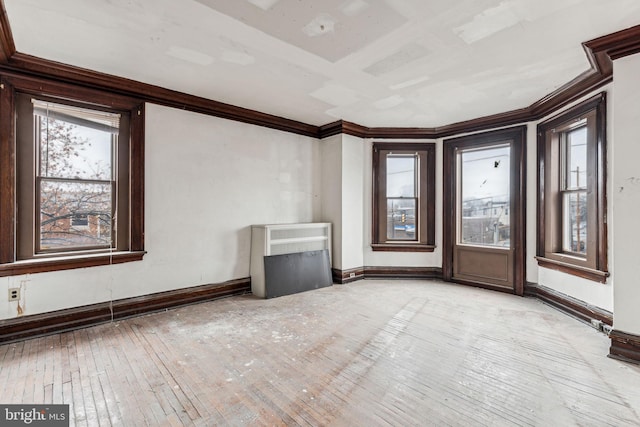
(624, 346)
(568, 304)
(346, 276)
(79, 317)
(403, 273)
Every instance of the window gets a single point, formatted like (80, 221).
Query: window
(404, 193)
(75, 191)
(571, 198)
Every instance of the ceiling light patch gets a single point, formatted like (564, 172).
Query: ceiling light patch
(320, 25)
(409, 83)
(389, 102)
(263, 4)
(354, 7)
(408, 53)
(493, 20)
(335, 94)
(189, 55)
(235, 57)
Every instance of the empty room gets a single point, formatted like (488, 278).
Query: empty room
(319, 213)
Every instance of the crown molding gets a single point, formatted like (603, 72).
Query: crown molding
(7, 46)
(348, 128)
(600, 52)
(616, 45)
(22, 64)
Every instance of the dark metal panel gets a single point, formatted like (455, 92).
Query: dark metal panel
(297, 272)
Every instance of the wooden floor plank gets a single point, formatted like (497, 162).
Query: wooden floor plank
(374, 352)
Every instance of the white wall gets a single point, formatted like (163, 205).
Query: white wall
(206, 181)
(342, 197)
(353, 200)
(209, 179)
(331, 149)
(625, 196)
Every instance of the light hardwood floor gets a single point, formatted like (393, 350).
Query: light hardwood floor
(374, 352)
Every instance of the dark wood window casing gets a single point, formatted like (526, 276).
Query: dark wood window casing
(420, 237)
(588, 258)
(20, 252)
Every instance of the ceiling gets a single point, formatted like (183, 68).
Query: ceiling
(378, 63)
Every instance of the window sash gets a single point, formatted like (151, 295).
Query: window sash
(564, 243)
(575, 222)
(32, 182)
(70, 233)
(403, 223)
(417, 231)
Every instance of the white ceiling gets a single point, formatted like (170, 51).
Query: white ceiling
(390, 63)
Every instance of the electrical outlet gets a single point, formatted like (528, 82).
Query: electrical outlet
(14, 294)
(352, 275)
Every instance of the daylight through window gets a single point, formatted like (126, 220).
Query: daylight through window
(404, 192)
(571, 203)
(75, 176)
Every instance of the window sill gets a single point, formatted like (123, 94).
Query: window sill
(402, 247)
(564, 267)
(68, 262)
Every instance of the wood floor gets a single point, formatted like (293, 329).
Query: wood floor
(374, 352)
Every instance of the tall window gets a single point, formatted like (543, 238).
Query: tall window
(74, 177)
(573, 188)
(404, 191)
(74, 197)
(571, 198)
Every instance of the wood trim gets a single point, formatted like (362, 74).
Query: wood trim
(368, 272)
(68, 263)
(22, 63)
(615, 45)
(530, 289)
(89, 315)
(8, 178)
(7, 46)
(598, 270)
(342, 127)
(624, 346)
(401, 247)
(402, 272)
(133, 250)
(518, 187)
(570, 305)
(600, 53)
(427, 192)
(347, 276)
(136, 179)
(583, 272)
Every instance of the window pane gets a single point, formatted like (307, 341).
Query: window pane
(485, 200)
(74, 214)
(401, 219)
(574, 222)
(401, 176)
(576, 153)
(75, 142)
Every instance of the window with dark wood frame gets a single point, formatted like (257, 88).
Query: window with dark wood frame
(403, 197)
(572, 231)
(65, 203)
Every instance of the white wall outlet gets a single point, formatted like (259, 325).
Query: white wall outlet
(14, 294)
